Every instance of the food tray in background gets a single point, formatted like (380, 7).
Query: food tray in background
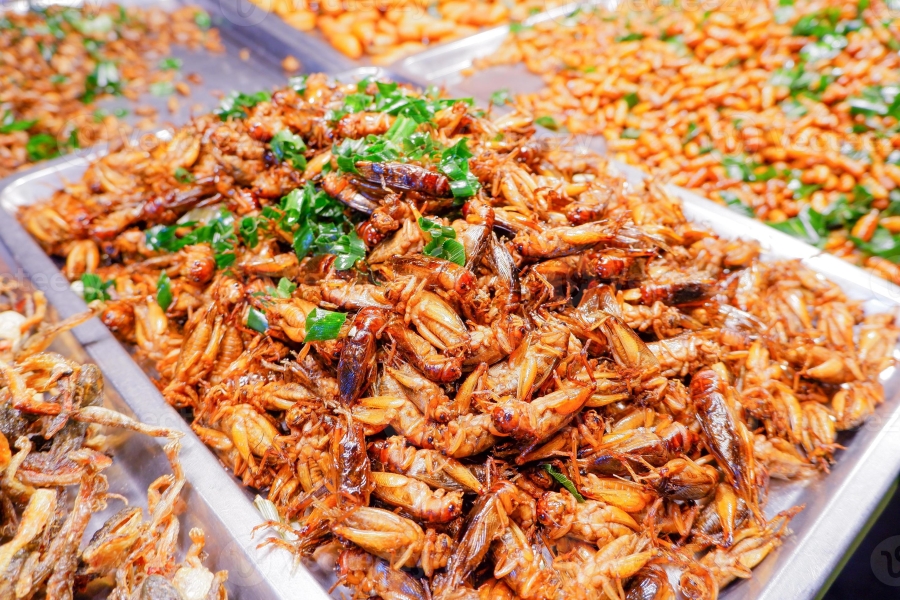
(446, 65)
(248, 12)
(264, 31)
(220, 72)
(139, 459)
(216, 501)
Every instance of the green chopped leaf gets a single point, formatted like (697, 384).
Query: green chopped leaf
(218, 233)
(442, 242)
(632, 99)
(170, 64)
(42, 146)
(161, 89)
(94, 287)
(455, 165)
(284, 290)
(518, 27)
(8, 123)
(548, 122)
(882, 243)
(370, 148)
(249, 231)
(323, 325)
(164, 291)
(202, 19)
(630, 37)
(800, 190)
(348, 249)
(501, 97)
(810, 226)
(182, 175)
(692, 132)
(58, 78)
(104, 79)
(402, 129)
(289, 146)
(842, 214)
(630, 133)
(257, 321)
(355, 103)
(793, 109)
(298, 83)
(565, 482)
(235, 104)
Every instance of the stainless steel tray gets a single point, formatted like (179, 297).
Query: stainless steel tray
(266, 41)
(216, 501)
(837, 506)
(445, 65)
(212, 501)
(269, 34)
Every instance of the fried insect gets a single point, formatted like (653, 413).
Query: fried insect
(58, 448)
(559, 391)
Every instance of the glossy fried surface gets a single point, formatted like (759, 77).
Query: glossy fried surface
(544, 383)
(53, 455)
(57, 62)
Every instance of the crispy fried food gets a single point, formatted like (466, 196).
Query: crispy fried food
(52, 414)
(548, 385)
(779, 110)
(57, 61)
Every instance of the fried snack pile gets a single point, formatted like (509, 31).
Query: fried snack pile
(457, 357)
(784, 110)
(55, 62)
(387, 30)
(52, 459)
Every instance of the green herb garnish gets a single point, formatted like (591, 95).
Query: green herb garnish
(442, 242)
(164, 291)
(235, 104)
(289, 146)
(257, 321)
(323, 325)
(564, 481)
(455, 165)
(284, 290)
(94, 287)
(182, 175)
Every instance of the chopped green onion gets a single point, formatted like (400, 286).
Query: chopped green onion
(289, 146)
(94, 287)
(548, 122)
(161, 89)
(170, 64)
(164, 291)
(182, 175)
(284, 290)
(257, 321)
(323, 325)
(443, 242)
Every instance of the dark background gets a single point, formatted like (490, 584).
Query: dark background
(857, 580)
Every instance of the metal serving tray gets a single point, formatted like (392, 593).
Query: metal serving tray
(837, 506)
(266, 41)
(212, 501)
(216, 501)
(447, 64)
